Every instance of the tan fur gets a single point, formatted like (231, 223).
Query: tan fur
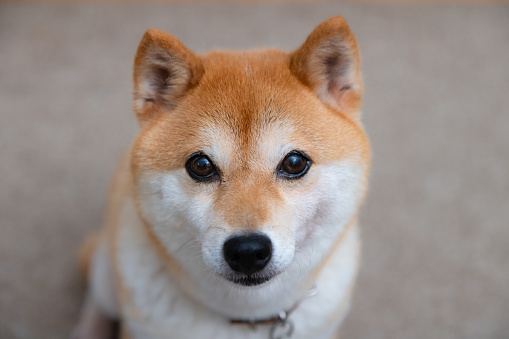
(330, 41)
(153, 56)
(311, 97)
(120, 187)
(268, 73)
(86, 253)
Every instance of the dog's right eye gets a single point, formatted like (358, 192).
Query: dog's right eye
(200, 167)
(294, 165)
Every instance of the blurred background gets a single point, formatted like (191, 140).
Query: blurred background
(436, 222)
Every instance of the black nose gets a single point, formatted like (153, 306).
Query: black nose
(249, 253)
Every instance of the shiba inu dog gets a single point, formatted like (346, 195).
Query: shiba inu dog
(239, 197)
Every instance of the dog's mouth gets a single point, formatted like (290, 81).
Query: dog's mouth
(249, 280)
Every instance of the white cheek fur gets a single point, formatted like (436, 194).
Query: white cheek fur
(332, 201)
(174, 215)
(303, 233)
(308, 218)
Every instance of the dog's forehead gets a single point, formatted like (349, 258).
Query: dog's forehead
(248, 90)
(251, 102)
(248, 110)
(261, 144)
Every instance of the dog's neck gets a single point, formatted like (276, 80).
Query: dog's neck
(281, 317)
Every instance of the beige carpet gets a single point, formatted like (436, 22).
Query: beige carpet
(435, 226)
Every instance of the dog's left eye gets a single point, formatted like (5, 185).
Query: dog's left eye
(200, 167)
(294, 165)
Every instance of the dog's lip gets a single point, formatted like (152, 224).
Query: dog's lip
(249, 281)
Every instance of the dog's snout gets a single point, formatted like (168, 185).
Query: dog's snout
(248, 254)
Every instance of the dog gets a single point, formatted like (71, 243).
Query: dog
(234, 215)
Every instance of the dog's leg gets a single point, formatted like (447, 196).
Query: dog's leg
(100, 309)
(93, 324)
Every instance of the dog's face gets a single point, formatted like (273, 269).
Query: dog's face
(248, 157)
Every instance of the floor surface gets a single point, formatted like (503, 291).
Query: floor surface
(436, 223)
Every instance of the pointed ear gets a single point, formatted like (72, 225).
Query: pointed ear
(164, 70)
(329, 63)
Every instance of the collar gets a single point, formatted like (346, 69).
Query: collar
(280, 322)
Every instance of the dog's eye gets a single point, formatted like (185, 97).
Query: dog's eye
(200, 167)
(294, 165)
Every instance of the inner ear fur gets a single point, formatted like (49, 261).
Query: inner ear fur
(164, 70)
(328, 62)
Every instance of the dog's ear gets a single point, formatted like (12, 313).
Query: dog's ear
(329, 63)
(164, 70)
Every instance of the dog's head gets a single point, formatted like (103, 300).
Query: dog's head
(249, 158)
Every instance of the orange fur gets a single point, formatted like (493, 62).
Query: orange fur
(222, 85)
(244, 102)
(86, 253)
(332, 39)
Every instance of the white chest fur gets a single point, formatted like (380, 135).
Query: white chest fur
(156, 307)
